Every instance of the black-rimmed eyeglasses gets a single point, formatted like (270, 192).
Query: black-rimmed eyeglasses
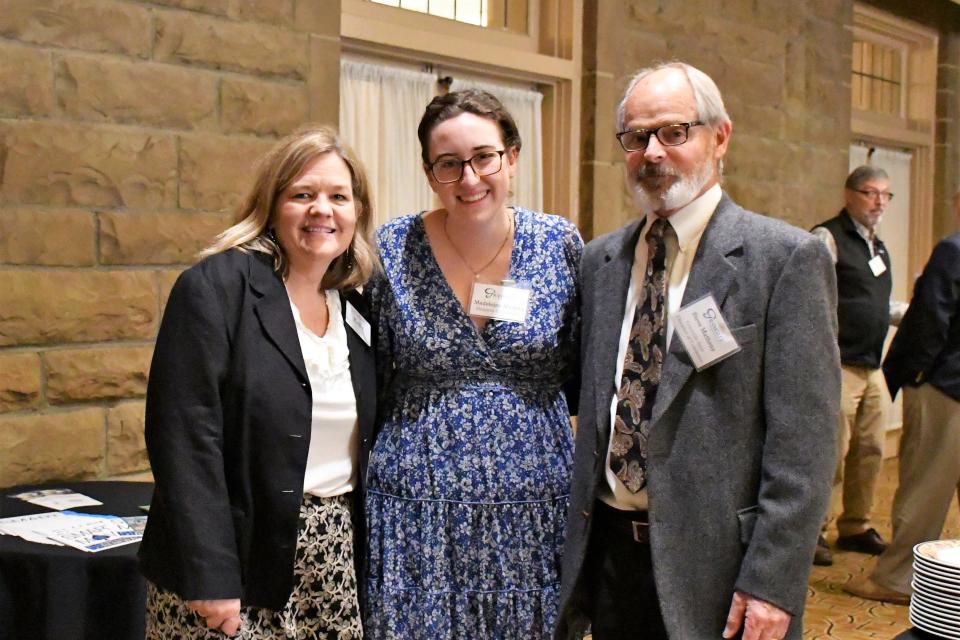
(450, 169)
(669, 135)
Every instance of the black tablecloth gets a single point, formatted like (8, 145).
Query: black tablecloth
(49, 592)
(916, 634)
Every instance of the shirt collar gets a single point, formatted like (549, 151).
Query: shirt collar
(690, 220)
(863, 230)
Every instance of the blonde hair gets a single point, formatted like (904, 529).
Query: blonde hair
(276, 170)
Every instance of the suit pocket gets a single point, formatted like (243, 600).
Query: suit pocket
(748, 520)
(745, 334)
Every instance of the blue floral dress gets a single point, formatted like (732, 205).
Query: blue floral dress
(469, 477)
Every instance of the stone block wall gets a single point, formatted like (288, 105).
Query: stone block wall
(784, 70)
(127, 132)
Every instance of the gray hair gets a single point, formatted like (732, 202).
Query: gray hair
(706, 95)
(863, 173)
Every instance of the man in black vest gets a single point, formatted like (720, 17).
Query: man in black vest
(864, 313)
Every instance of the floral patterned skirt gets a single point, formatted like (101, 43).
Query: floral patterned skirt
(323, 603)
(466, 507)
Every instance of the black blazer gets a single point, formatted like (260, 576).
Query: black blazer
(926, 348)
(228, 430)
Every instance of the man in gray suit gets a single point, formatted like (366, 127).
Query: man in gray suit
(710, 395)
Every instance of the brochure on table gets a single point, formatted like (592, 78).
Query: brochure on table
(84, 531)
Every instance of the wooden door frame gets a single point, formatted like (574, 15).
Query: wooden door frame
(914, 129)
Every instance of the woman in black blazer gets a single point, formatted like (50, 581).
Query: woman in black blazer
(260, 409)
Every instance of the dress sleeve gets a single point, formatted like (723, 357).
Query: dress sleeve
(378, 290)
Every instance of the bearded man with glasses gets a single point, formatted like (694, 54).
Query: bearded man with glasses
(865, 312)
(702, 466)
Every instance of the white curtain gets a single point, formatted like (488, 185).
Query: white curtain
(524, 106)
(380, 108)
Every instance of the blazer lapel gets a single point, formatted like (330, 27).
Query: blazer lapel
(273, 311)
(613, 280)
(713, 272)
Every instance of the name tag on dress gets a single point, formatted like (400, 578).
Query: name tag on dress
(704, 333)
(358, 323)
(877, 265)
(509, 303)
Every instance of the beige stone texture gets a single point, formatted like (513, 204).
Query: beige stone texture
(320, 18)
(74, 164)
(216, 7)
(221, 44)
(109, 90)
(54, 237)
(216, 171)
(262, 108)
(63, 306)
(753, 82)
(157, 237)
(126, 449)
(324, 82)
(26, 81)
(19, 381)
(278, 12)
(751, 158)
(91, 25)
(45, 447)
(82, 375)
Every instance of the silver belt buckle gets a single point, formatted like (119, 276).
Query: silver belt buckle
(640, 533)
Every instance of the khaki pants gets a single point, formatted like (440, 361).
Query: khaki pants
(929, 478)
(863, 422)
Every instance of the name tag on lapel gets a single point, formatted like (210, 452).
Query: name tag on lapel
(704, 333)
(358, 323)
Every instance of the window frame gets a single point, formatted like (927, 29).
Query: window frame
(548, 55)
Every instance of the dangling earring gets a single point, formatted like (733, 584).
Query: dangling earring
(272, 235)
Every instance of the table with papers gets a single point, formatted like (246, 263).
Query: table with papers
(88, 585)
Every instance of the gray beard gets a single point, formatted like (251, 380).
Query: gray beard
(679, 194)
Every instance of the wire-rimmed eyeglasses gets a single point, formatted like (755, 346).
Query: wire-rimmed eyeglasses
(450, 168)
(873, 194)
(669, 135)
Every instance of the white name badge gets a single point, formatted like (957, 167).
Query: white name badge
(500, 302)
(704, 333)
(877, 265)
(358, 323)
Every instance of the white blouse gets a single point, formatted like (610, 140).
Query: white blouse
(331, 462)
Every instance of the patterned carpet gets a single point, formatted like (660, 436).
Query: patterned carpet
(831, 613)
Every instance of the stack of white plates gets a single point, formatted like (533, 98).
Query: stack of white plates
(935, 605)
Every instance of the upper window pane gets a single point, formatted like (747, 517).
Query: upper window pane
(509, 15)
(877, 80)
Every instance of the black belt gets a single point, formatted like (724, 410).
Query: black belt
(633, 524)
